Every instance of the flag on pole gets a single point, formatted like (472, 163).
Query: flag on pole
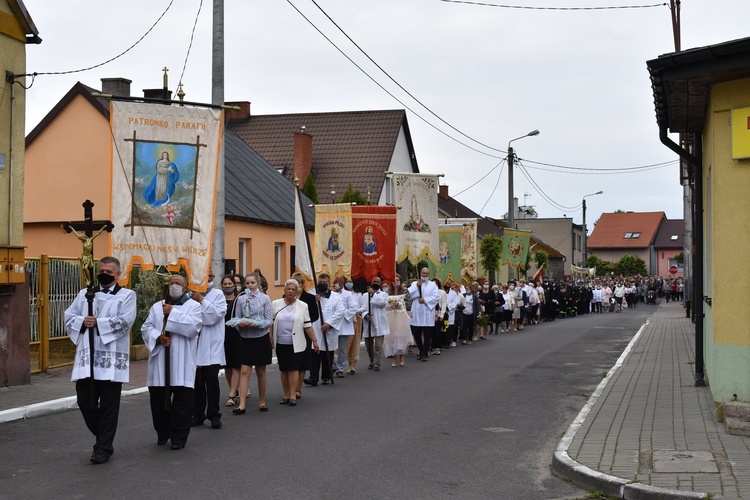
(303, 254)
(515, 247)
(374, 242)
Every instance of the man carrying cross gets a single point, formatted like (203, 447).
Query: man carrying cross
(114, 310)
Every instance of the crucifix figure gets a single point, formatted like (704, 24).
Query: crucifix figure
(87, 235)
(87, 270)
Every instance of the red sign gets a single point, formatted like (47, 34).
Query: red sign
(374, 242)
(673, 269)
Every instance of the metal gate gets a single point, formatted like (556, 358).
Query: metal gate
(54, 284)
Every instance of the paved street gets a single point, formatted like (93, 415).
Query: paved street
(480, 421)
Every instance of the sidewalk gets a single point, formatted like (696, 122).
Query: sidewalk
(647, 432)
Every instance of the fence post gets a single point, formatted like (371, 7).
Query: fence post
(44, 312)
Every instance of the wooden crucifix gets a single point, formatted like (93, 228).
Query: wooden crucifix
(87, 235)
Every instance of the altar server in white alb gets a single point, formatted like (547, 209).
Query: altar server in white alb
(424, 295)
(332, 310)
(172, 324)
(341, 363)
(375, 326)
(114, 313)
(210, 355)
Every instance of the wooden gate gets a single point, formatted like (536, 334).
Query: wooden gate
(54, 284)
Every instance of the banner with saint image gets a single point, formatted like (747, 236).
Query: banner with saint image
(515, 247)
(374, 242)
(417, 219)
(164, 175)
(332, 251)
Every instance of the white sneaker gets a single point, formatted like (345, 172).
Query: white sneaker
(453, 344)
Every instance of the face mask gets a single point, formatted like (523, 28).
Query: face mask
(105, 279)
(512, 287)
(175, 291)
(425, 279)
(250, 292)
(322, 287)
(349, 286)
(228, 290)
(486, 289)
(336, 287)
(210, 284)
(375, 286)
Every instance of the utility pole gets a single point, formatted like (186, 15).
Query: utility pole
(217, 98)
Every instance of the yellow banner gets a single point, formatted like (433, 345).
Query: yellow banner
(332, 251)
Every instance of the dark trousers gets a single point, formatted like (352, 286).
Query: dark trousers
(102, 420)
(452, 333)
(317, 361)
(467, 330)
(423, 338)
(173, 424)
(207, 393)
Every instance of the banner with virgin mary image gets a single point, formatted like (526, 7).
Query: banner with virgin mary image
(374, 242)
(332, 251)
(165, 163)
(515, 247)
(417, 218)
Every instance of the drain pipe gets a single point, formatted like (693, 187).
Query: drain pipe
(11, 79)
(697, 162)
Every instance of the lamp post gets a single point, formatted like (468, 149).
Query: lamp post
(585, 233)
(511, 208)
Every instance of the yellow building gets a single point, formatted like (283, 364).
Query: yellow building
(16, 31)
(704, 93)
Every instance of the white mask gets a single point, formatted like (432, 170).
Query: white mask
(175, 291)
(425, 279)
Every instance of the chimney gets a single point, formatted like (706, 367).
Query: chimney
(157, 94)
(443, 191)
(116, 86)
(242, 114)
(302, 155)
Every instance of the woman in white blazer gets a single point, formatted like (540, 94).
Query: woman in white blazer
(291, 322)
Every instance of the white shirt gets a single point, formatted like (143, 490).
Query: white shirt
(424, 314)
(115, 315)
(378, 324)
(351, 306)
(211, 340)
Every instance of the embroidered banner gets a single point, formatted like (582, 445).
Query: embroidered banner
(469, 251)
(449, 253)
(417, 219)
(374, 242)
(164, 173)
(515, 247)
(332, 251)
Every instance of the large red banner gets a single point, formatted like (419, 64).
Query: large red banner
(374, 242)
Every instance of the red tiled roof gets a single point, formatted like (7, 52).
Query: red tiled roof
(348, 147)
(611, 229)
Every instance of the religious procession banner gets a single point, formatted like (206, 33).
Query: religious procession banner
(515, 247)
(332, 251)
(469, 251)
(374, 242)
(165, 163)
(417, 220)
(302, 260)
(589, 271)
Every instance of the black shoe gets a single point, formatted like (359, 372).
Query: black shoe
(292, 402)
(424, 359)
(197, 421)
(376, 368)
(238, 411)
(162, 441)
(311, 383)
(326, 381)
(99, 457)
(216, 423)
(178, 446)
(284, 401)
(370, 366)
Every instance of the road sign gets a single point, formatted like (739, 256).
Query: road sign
(673, 269)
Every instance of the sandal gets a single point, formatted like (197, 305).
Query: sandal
(298, 395)
(262, 408)
(233, 400)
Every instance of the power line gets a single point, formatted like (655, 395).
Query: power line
(482, 178)
(384, 89)
(528, 7)
(587, 169)
(599, 172)
(190, 46)
(493, 191)
(399, 85)
(113, 58)
(541, 191)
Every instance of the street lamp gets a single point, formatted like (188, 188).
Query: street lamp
(585, 233)
(511, 208)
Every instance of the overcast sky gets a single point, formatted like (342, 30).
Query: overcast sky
(494, 74)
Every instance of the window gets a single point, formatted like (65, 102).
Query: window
(636, 235)
(673, 237)
(628, 236)
(242, 264)
(632, 236)
(277, 251)
(280, 170)
(292, 258)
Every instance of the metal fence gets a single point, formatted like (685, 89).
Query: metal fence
(54, 284)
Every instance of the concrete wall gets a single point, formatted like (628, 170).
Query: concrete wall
(561, 234)
(726, 206)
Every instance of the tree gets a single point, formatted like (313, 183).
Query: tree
(352, 195)
(603, 267)
(630, 265)
(680, 257)
(310, 190)
(541, 258)
(490, 251)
